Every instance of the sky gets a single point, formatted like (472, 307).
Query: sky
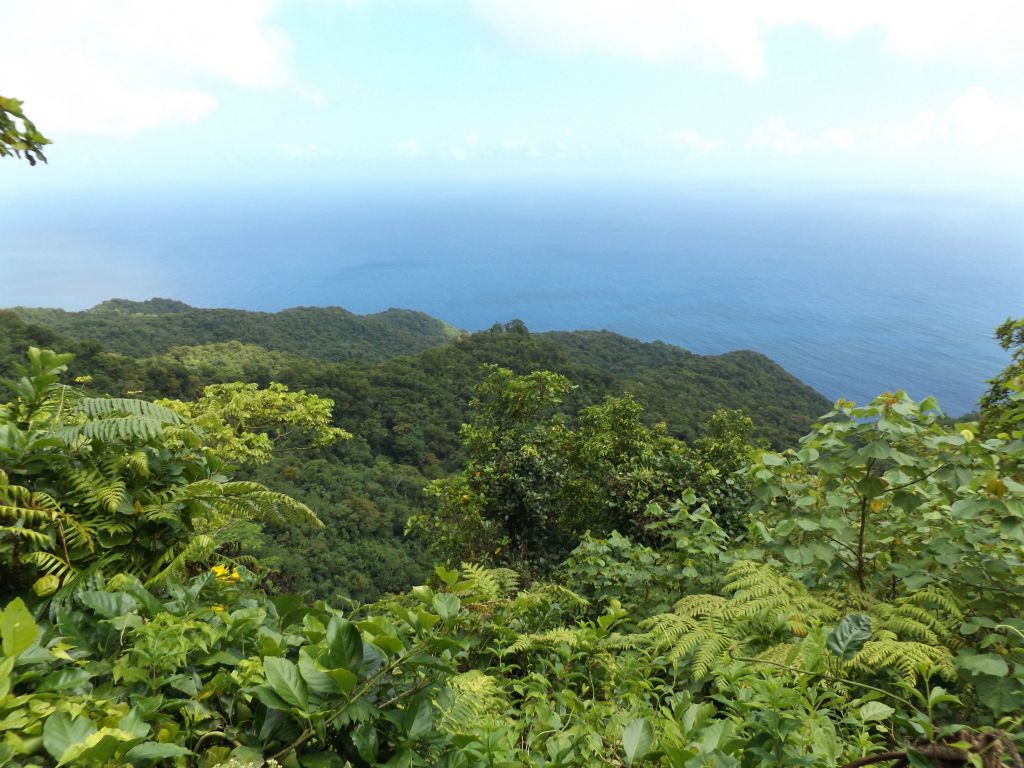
(918, 93)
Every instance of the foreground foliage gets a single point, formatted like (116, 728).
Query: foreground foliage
(854, 600)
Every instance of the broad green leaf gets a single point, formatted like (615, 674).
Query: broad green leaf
(134, 724)
(97, 748)
(248, 757)
(268, 698)
(1002, 695)
(446, 605)
(449, 577)
(637, 738)
(109, 604)
(807, 455)
(366, 741)
(875, 710)
(146, 598)
(64, 680)
(283, 676)
(344, 681)
(419, 718)
(344, 644)
(61, 732)
(321, 760)
(153, 750)
(983, 663)
(422, 593)
(317, 679)
(404, 758)
(17, 628)
(939, 695)
(849, 636)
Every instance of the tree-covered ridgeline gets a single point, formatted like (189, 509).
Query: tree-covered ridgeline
(404, 411)
(143, 328)
(855, 599)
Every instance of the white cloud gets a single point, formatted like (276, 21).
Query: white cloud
(523, 146)
(470, 147)
(300, 151)
(974, 123)
(709, 32)
(690, 140)
(408, 148)
(777, 135)
(732, 34)
(117, 67)
(840, 138)
(976, 119)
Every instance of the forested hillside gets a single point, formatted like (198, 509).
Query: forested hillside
(404, 411)
(324, 333)
(187, 344)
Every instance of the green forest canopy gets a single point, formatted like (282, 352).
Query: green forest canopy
(404, 407)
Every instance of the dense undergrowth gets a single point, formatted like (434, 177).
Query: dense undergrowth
(854, 600)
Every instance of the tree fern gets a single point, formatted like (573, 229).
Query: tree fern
(106, 407)
(764, 615)
(174, 561)
(132, 478)
(471, 696)
(18, 503)
(248, 500)
(50, 564)
(887, 652)
(113, 429)
(488, 584)
(547, 596)
(549, 639)
(94, 491)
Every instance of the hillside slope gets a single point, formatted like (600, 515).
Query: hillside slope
(324, 333)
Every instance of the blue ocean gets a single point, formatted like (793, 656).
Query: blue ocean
(855, 292)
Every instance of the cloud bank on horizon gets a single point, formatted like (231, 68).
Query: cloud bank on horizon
(731, 88)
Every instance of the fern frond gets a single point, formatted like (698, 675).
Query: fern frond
(113, 429)
(248, 500)
(545, 596)
(927, 616)
(19, 503)
(106, 407)
(27, 534)
(550, 639)
(905, 658)
(698, 606)
(93, 489)
(472, 696)
(198, 549)
(483, 583)
(50, 564)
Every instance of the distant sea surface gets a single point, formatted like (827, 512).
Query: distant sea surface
(856, 293)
